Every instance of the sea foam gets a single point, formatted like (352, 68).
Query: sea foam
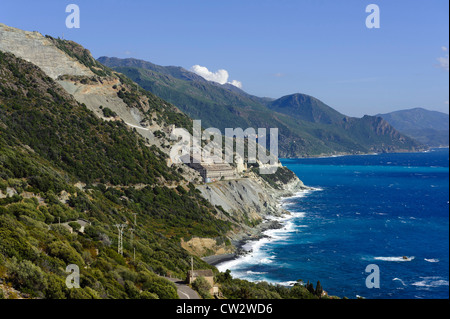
(398, 259)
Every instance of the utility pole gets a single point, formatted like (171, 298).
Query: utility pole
(132, 235)
(120, 228)
(192, 269)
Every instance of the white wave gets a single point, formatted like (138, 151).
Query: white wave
(302, 193)
(398, 279)
(398, 259)
(256, 254)
(296, 195)
(267, 260)
(256, 272)
(431, 282)
(286, 283)
(432, 260)
(222, 267)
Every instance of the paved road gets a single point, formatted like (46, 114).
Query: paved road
(184, 291)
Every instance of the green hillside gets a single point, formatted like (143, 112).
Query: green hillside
(48, 144)
(63, 169)
(307, 108)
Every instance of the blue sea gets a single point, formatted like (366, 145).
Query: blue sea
(388, 210)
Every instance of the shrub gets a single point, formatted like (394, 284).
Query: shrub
(75, 226)
(202, 287)
(107, 112)
(65, 252)
(27, 276)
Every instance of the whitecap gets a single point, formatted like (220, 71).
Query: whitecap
(398, 259)
(267, 260)
(431, 282)
(398, 279)
(249, 272)
(432, 260)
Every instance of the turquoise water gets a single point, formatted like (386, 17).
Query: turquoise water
(372, 209)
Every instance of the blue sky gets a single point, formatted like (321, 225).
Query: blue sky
(273, 47)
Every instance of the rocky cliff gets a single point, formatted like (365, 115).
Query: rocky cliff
(250, 201)
(39, 50)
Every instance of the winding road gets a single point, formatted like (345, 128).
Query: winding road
(183, 290)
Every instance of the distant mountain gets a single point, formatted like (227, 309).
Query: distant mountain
(307, 126)
(428, 127)
(307, 108)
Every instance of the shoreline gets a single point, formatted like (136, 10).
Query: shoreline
(271, 222)
(215, 260)
(218, 259)
(364, 154)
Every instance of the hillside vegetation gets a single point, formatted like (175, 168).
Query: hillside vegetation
(49, 143)
(61, 166)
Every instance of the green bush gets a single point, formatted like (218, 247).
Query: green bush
(27, 276)
(75, 226)
(107, 112)
(202, 286)
(65, 252)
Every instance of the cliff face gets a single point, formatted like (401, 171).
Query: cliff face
(35, 48)
(249, 201)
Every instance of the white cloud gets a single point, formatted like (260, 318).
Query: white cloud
(221, 76)
(237, 84)
(443, 61)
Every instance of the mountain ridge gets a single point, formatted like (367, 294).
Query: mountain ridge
(428, 127)
(307, 126)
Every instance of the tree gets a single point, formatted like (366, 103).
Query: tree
(310, 287)
(202, 286)
(319, 289)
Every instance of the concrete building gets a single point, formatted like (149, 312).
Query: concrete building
(214, 172)
(212, 169)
